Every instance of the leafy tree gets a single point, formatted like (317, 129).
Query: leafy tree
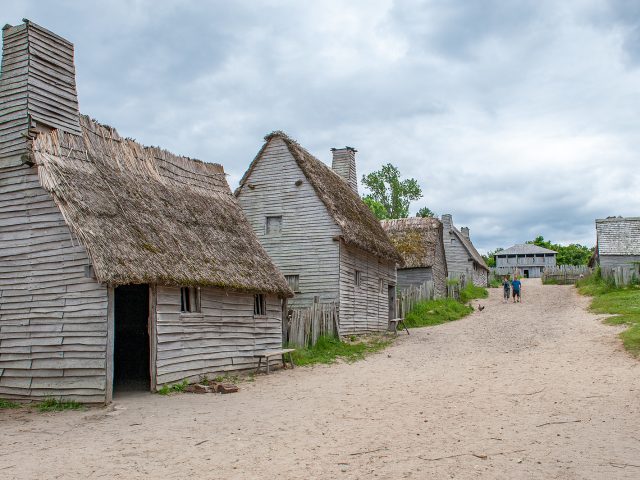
(425, 212)
(490, 257)
(393, 194)
(376, 207)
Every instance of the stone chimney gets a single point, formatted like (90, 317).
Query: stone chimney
(37, 88)
(344, 164)
(465, 231)
(447, 222)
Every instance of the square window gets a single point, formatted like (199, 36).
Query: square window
(358, 278)
(274, 225)
(294, 282)
(190, 300)
(259, 305)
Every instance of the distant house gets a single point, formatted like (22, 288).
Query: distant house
(525, 259)
(121, 266)
(462, 257)
(312, 222)
(419, 241)
(618, 243)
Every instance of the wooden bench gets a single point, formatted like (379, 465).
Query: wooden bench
(396, 323)
(274, 353)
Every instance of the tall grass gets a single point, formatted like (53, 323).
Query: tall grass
(622, 302)
(329, 349)
(471, 291)
(436, 312)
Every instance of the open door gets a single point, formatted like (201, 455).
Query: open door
(131, 356)
(392, 302)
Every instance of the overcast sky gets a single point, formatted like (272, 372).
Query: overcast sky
(520, 118)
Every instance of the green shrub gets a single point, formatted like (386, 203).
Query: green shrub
(175, 388)
(328, 349)
(8, 404)
(435, 312)
(56, 405)
(471, 291)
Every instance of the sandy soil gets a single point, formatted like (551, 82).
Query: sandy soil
(538, 390)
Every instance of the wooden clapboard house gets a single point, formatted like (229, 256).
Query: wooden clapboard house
(463, 260)
(312, 222)
(420, 242)
(120, 265)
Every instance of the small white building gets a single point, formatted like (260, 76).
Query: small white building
(525, 259)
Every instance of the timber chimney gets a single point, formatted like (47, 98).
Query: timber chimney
(447, 222)
(344, 164)
(465, 231)
(37, 88)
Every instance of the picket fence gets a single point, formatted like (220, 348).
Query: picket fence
(306, 324)
(565, 274)
(622, 274)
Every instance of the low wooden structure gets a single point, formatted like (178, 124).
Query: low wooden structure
(121, 266)
(463, 260)
(617, 251)
(419, 241)
(317, 230)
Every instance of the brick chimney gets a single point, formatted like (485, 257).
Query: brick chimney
(37, 88)
(465, 231)
(344, 164)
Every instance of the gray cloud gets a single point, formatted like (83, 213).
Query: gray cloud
(519, 118)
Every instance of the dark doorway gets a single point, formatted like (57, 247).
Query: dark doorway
(392, 302)
(131, 342)
(526, 274)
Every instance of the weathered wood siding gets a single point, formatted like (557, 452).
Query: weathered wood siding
(224, 337)
(364, 308)
(414, 277)
(440, 271)
(53, 316)
(618, 260)
(306, 245)
(37, 81)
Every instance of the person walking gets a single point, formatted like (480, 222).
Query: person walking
(506, 287)
(516, 286)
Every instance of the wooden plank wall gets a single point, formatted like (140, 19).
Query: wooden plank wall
(364, 309)
(414, 277)
(53, 327)
(306, 246)
(223, 338)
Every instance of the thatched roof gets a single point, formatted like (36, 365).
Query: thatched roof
(359, 226)
(148, 216)
(417, 239)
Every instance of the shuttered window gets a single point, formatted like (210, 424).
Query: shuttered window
(294, 282)
(274, 225)
(190, 300)
(358, 278)
(259, 305)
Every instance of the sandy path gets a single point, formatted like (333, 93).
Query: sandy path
(492, 384)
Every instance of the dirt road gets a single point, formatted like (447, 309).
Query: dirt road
(538, 390)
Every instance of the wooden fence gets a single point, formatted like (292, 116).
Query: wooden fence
(408, 297)
(622, 274)
(565, 274)
(306, 324)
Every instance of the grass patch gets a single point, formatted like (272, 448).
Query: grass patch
(329, 349)
(175, 388)
(55, 405)
(6, 404)
(436, 312)
(495, 283)
(471, 291)
(623, 302)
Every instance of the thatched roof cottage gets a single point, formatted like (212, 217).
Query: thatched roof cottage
(462, 256)
(122, 265)
(419, 241)
(318, 231)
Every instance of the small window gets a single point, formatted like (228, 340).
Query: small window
(274, 225)
(294, 282)
(190, 300)
(358, 278)
(453, 241)
(381, 286)
(259, 305)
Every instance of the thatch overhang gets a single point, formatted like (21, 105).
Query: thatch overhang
(359, 226)
(475, 255)
(417, 239)
(145, 215)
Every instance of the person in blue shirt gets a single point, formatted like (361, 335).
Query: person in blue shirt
(516, 286)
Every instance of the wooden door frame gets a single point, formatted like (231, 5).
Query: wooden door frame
(110, 343)
(152, 328)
